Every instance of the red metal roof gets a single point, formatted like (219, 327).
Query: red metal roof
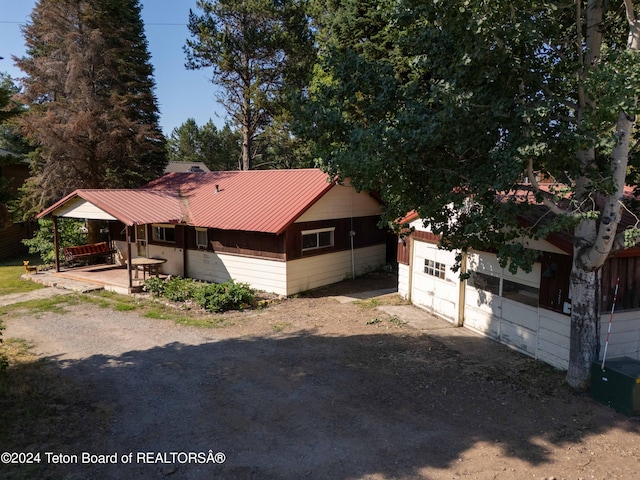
(250, 200)
(129, 206)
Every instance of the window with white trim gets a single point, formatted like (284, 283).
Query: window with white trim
(320, 238)
(435, 269)
(201, 238)
(164, 233)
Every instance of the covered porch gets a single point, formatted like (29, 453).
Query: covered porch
(132, 209)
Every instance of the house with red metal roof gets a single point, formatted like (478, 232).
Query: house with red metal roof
(281, 231)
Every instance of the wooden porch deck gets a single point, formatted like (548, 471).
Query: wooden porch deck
(108, 276)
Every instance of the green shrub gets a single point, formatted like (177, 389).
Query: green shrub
(178, 289)
(69, 231)
(155, 286)
(220, 297)
(214, 297)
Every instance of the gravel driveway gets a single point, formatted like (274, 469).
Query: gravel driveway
(312, 388)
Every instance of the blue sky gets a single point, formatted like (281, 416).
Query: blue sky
(181, 93)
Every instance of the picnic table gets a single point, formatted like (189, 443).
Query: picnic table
(147, 265)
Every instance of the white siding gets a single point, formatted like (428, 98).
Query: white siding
(624, 339)
(342, 202)
(307, 273)
(482, 312)
(173, 256)
(553, 338)
(519, 326)
(259, 273)
(403, 280)
(80, 208)
(439, 296)
(540, 333)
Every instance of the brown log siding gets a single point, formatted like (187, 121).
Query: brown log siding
(366, 231)
(628, 270)
(255, 244)
(288, 246)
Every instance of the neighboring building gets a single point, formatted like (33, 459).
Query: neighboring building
(281, 231)
(529, 312)
(186, 167)
(15, 170)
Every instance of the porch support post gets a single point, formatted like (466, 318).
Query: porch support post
(56, 247)
(185, 255)
(462, 284)
(128, 239)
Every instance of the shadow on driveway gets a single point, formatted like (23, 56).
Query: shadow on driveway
(309, 406)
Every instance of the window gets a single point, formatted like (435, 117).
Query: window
(314, 239)
(164, 233)
(485, 282)
(201, 238)
(435, 269)
(520, 293)
(510, 290)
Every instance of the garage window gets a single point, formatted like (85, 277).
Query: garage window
(485, 282)
(435, 269)
(520, 293)
(509, 289)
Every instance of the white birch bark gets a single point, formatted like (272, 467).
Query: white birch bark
(595, 240)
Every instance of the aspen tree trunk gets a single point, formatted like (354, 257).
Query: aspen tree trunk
(594, 240)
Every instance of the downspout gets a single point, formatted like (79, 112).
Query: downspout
(352, 234)
(462, 284)
(185, 255)
(56, 247)
(410, 276)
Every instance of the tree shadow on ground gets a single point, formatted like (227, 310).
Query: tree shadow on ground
(304, 405)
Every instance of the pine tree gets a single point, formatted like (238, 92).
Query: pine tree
(261, 54)
(89, 87)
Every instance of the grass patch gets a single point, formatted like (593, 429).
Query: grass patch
(368, 304)
(392, 299)
(124, 307)
(201, 321)
(396, 321)
(54, 304)
(280, 326)
(37, 404)
(11, 282)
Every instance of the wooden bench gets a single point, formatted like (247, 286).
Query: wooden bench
(81, 252)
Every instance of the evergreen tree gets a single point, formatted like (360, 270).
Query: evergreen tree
(217, 149)
(183, 143)
(261, 53)
(89, 87)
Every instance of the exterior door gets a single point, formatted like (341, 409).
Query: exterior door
(141, 240)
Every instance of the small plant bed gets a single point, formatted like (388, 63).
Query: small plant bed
(212, 297)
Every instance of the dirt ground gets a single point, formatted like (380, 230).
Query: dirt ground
(311, 388)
